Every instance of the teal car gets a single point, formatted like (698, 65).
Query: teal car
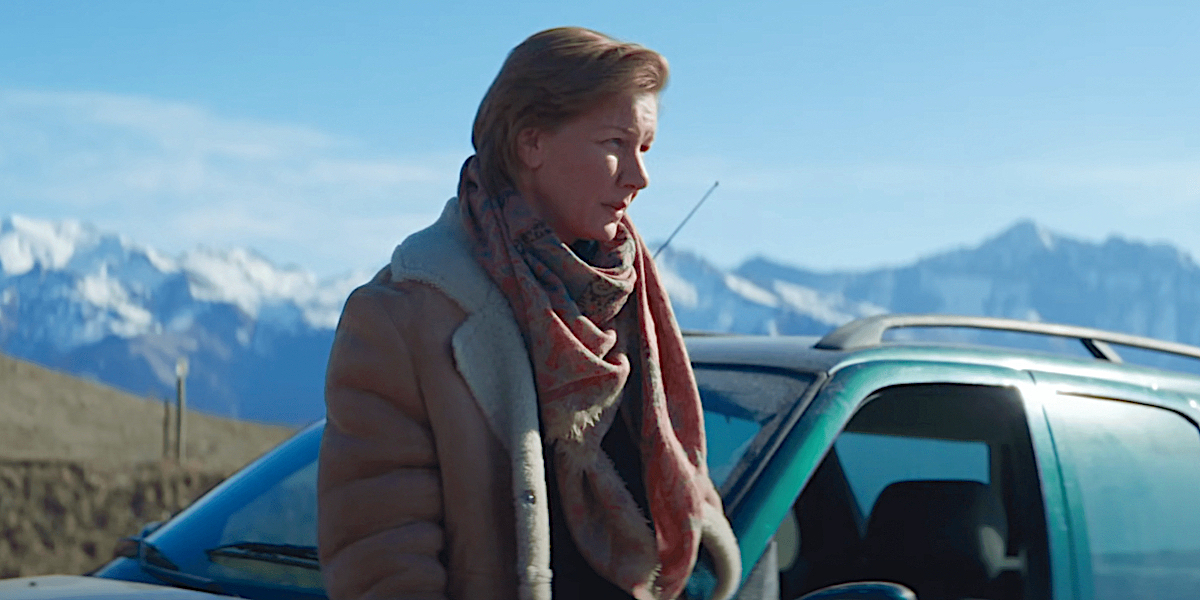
(853, 466)
(966, 472)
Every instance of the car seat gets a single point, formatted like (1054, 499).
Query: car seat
(943, 539)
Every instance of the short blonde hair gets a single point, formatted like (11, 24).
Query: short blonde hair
(549, 79)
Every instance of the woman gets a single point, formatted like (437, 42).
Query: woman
(511, 411)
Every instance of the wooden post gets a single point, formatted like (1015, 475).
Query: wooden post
(166, 427)
(181, 371)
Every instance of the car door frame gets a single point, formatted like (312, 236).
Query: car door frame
(763, 506)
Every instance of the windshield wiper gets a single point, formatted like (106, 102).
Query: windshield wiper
(157, 565)
(304, 557)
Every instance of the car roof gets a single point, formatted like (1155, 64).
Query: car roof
(783, 352)
(832, 353)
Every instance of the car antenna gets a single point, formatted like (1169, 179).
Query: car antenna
(685, 219)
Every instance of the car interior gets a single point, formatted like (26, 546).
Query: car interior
(931, 486)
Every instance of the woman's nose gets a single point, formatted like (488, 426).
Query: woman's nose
(636, 175)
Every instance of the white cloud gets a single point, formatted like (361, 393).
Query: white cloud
(173, 175)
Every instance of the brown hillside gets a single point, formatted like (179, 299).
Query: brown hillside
(47, 415)
(81, 466)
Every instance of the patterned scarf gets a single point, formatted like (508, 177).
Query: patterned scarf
(583, 325)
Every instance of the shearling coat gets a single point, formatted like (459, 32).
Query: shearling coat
(431, 480)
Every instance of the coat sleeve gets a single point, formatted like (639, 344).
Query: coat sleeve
(379, 492)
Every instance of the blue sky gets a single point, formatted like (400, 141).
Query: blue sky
(845, 134)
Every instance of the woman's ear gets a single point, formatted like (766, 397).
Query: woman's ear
(529, 148)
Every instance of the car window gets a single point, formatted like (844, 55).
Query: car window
(872, 462)
(1136, 474)
(739, 405)
(933, 486)
(284, 514)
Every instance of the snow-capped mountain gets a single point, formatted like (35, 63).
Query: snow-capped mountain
(117, 282)
(258, 336)
(708, 299)
(103, 306)
(1027, 272)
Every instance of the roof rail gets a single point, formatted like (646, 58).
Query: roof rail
(705, 333)
(867, 332)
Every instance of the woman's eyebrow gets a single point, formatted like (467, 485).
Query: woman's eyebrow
(621, 128)
(630, 131)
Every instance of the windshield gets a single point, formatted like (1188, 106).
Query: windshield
(743, 407)
(257, 529)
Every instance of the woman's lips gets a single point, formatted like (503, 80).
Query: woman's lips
(618, 207)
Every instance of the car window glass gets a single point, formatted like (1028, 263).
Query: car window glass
(728, 439)
(872, 462)
(1137, 471)
(739, 404)
(284, 514)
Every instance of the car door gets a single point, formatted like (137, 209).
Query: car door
(919, 472)
(1129, 461)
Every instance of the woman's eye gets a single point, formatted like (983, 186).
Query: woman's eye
(615, 142)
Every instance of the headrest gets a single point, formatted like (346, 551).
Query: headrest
(948, 536)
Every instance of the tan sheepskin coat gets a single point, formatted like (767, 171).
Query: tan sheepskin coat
(431, 480)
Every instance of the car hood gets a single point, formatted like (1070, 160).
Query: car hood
(76, 587)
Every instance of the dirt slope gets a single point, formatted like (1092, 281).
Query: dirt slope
(47, 415)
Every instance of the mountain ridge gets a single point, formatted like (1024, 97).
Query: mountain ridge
(258, 335)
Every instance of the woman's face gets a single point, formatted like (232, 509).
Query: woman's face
(581, 177)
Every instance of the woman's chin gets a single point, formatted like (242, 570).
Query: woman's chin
(605, 232)
(609, 232)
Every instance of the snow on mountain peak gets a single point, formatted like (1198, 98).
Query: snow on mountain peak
(111, 309)
(824, 307)
(112, 286)
(750, 291)
(1047, 238)
(26, 243)
(159, 261)
(242, 278)
(261, 290)
(1026, 235)
(682, 293)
